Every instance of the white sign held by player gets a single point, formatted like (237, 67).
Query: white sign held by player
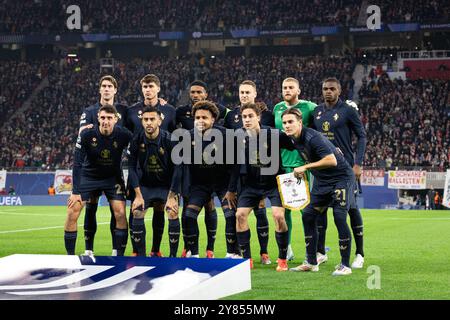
(294, 192)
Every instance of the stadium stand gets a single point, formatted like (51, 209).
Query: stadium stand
(138, 17)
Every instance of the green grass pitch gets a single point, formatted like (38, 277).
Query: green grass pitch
(406, 253)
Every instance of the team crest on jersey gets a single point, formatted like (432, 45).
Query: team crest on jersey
(336, 117)
(153, 160)
(161, 151)
(105, 154)
(94, 142)
(326, 126)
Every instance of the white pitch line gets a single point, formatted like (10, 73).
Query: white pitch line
(29, 214)
(418, 218)
(56, 227)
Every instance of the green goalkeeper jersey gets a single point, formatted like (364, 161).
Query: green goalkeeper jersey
(291, 158)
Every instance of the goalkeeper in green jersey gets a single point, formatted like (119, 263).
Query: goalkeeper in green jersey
(291, 159)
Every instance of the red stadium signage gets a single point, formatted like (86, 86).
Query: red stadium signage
(372, 178)
(412, 180)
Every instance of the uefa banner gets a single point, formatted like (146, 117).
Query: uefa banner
(412, 180)
(2, 179)
(446, 198)
(63, 181)
(372, 178)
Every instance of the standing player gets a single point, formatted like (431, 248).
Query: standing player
(208, 175)
(256, 185)
(198, 91)
(151, 149)
(337, 120)
(150, 86)
(97, 168)
(233, 120)
(332, 186)
(89, 118)
(291, 159)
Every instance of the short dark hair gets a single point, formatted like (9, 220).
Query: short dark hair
(206, 105)
(108, 109)
(297, 113)
(332, 79)
(151, 109)
(200, 84)
(252, 106)
(108, 78)
(151, 78)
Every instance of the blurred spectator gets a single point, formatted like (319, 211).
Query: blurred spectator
(51, 190)
(11, 191)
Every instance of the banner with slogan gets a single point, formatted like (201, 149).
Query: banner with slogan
(412, 180)
(2, 179)
(63, 181)
(372, 178)
(446, 198)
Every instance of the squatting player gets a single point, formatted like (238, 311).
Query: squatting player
(256, 185)
(151, 149)
(233, 120)
(290, 90)
(208, 176)
(150, 87)
(337, 120)
(89, 118)
(97, 168)
(198, 91)
(332, 186)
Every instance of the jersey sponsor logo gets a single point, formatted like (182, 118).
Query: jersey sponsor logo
(336, 117)
(326, 126)
(105, 154)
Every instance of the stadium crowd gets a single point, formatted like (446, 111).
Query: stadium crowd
(139, 17)
(408, 122)
(44, 134)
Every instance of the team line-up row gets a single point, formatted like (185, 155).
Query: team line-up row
(305, 138)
